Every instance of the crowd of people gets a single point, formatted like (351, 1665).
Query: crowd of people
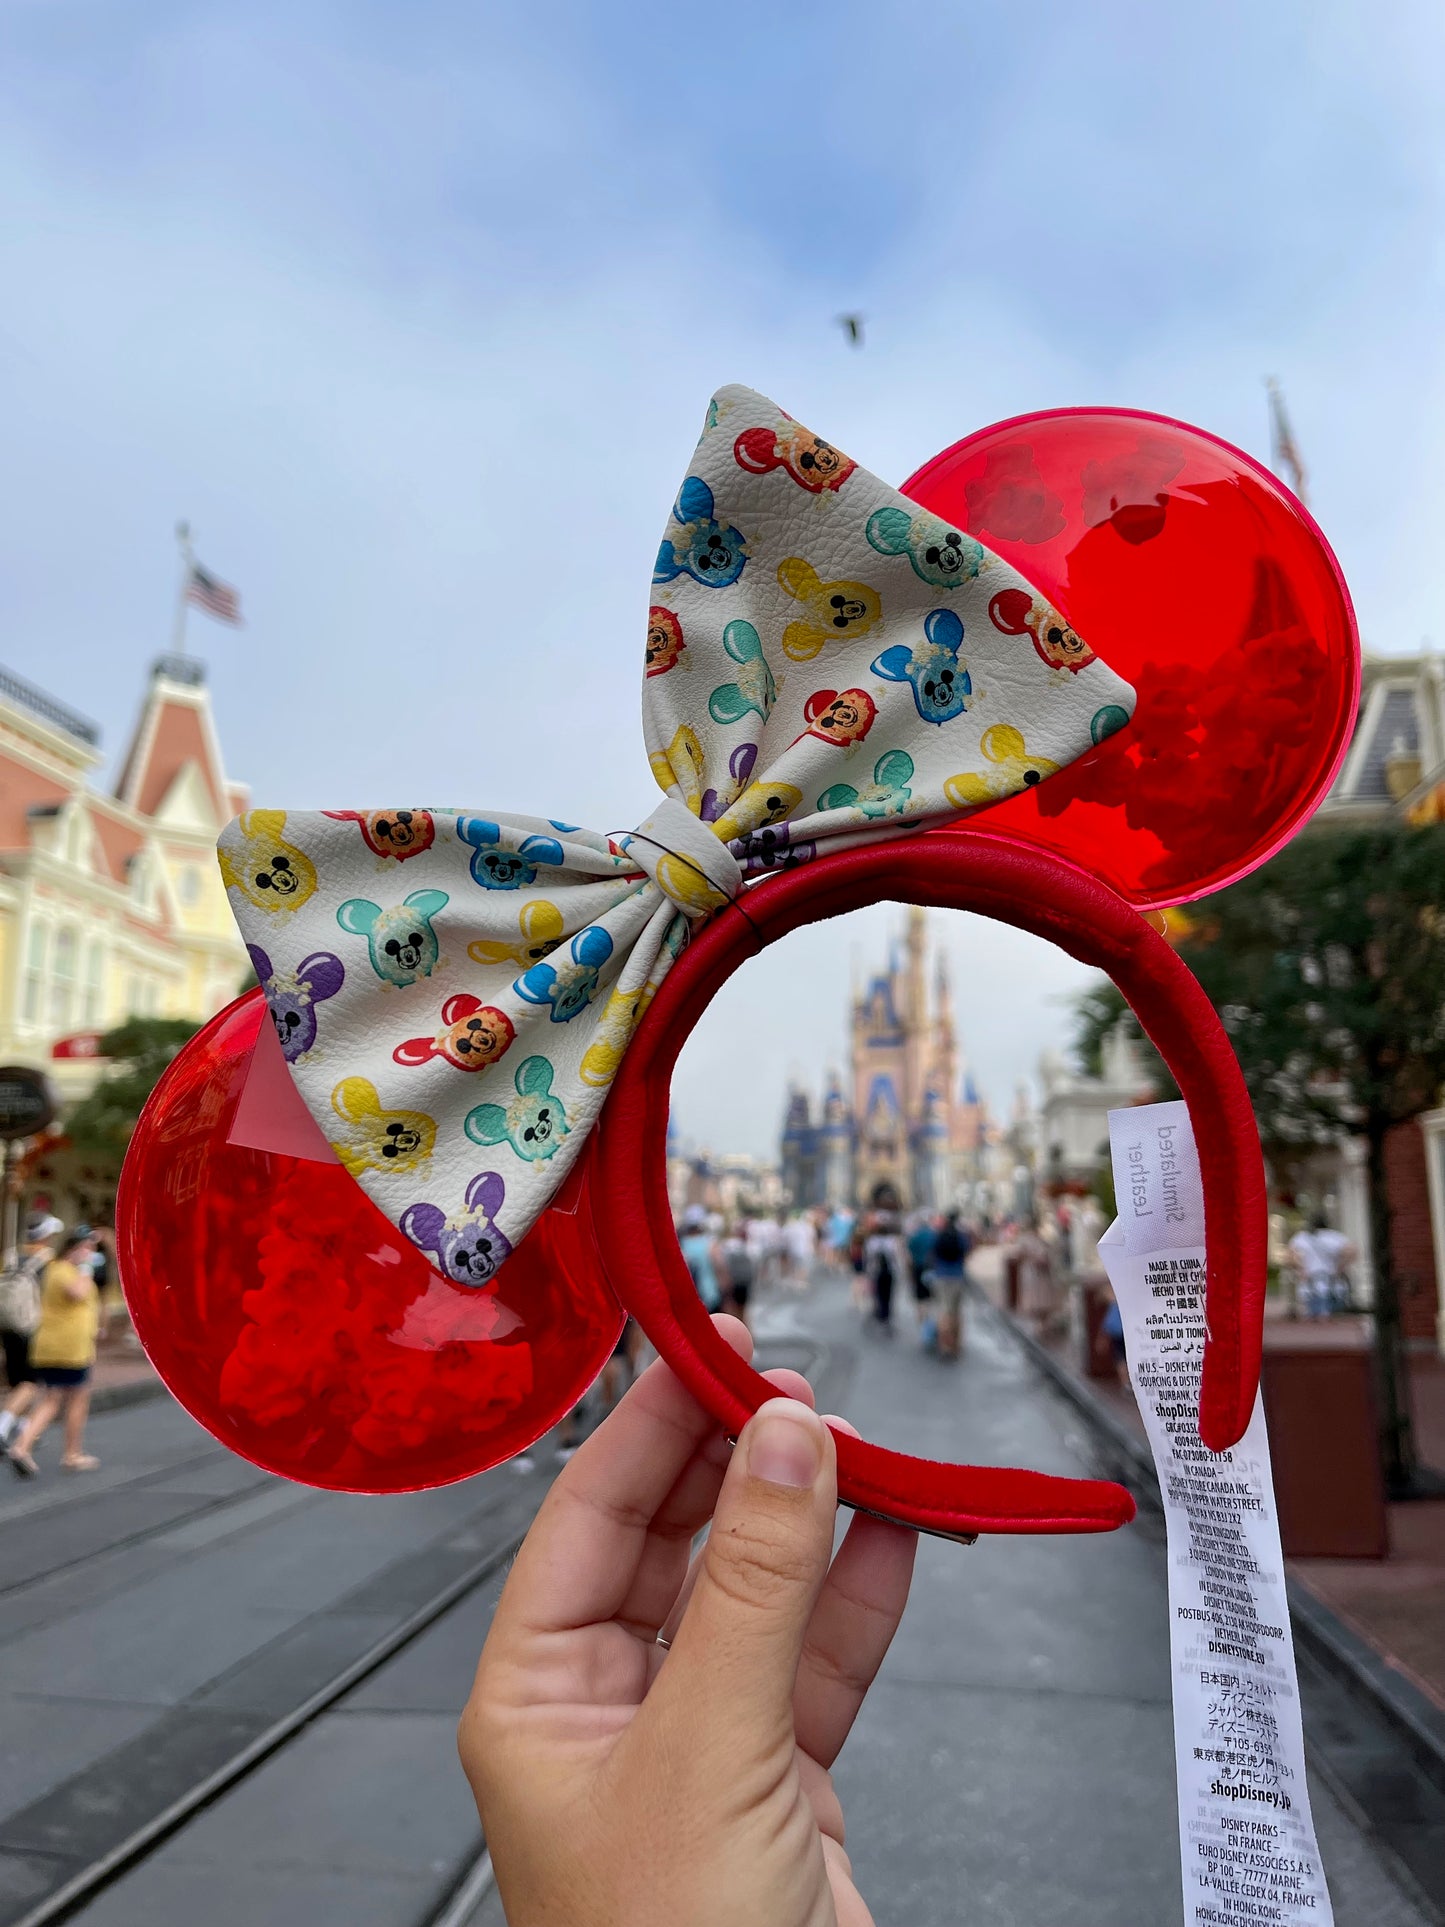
(924, 1253)
(51, 1304)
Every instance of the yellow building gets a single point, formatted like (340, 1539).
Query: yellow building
(111, 902)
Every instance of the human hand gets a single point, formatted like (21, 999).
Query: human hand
(625, 1784)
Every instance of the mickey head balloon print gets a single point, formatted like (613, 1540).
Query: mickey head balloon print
(1084, 663)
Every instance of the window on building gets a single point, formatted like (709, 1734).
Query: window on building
(151, 996)
(77, 837)
(35, 972)
(190, 885)
(93, 996)
(62, 978)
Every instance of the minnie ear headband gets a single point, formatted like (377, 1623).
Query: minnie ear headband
(832, 673)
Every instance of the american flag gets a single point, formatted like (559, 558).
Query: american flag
(1284, 450)
(217, 598)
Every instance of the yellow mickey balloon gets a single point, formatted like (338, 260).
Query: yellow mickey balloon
(1014, 769)
(834, 610)
(759, 805)
(541, 927)
(689, 889)
(375, 1139)
(681, 765)
(267, 870)
(621, 1016)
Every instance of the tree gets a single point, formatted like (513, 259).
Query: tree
(1327, 968)
(139, 1051)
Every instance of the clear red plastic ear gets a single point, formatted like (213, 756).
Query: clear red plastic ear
(1197, 575)
(301, 1328)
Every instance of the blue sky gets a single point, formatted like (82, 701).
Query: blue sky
(413, 310)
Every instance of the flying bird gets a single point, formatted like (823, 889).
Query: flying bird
(852, 326)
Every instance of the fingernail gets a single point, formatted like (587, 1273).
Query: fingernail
(785, 1443)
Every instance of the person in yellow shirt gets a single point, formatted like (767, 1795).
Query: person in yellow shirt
(62, 1353)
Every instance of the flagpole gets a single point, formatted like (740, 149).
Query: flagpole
(188, 563)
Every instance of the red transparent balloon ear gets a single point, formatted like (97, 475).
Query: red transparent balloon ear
(303, 1330)
(1197, 576)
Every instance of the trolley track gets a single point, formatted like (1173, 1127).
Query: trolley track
(65, 1900)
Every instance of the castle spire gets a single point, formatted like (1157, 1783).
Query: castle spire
(916, 992)
(943, 994)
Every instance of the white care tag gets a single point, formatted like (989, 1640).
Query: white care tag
(1245, 1832)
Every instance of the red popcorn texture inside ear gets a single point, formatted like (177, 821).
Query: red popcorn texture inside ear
(1194, 573)
(304, 1331)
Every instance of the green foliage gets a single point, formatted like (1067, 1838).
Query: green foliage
(138, 1050)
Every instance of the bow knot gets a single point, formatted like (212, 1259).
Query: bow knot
(685, 860)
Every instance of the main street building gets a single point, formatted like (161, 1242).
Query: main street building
(111, 901)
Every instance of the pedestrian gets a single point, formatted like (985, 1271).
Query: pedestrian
(1064, 1223)
(886, 1259)
(1036, 1277)
(860, 1288)
(62, 1354)
(920, 1256)
(950, 1254)
(1319, 1256)
(802, 1245)
(19, 1316)
(763, 1238)
(738, 1272)
(699, 1249)
(840, 1231)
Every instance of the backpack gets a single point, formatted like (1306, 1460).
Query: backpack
(20, 1297)
(739, 1263)
(948, 1247)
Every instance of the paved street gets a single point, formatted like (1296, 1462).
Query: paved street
(1013, 1767)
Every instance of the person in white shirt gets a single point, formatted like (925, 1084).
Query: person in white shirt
(801, 1243)
(1320, 1256)
(764, 1240)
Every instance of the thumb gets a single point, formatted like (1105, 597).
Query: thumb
(736, 1652)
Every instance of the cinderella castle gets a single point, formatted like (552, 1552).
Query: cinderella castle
(911, 1124)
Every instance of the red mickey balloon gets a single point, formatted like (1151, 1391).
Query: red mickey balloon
(1196, 574)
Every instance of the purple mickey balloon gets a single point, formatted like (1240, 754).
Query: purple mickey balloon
(292, 998)
(467, 1250)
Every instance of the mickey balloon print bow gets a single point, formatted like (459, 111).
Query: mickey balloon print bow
(826, 665)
